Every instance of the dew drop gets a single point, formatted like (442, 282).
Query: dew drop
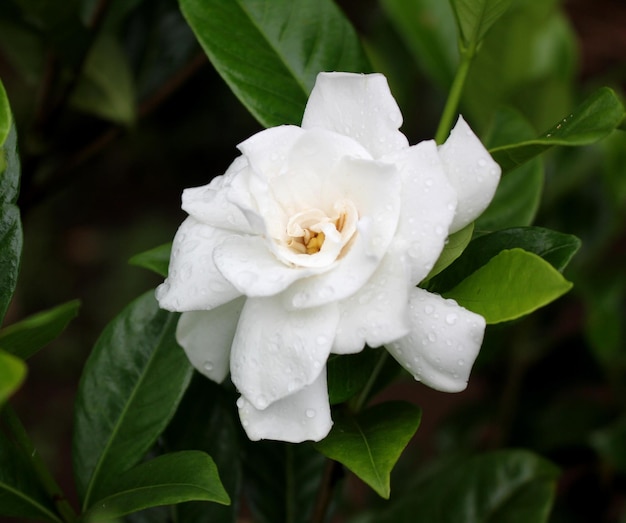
(208, 366)
(432, 337)
(429, 309)
(321, 339)
(262, 401)
(310, 413)
(482, 162)
(451, 318)
(240, 403)
(461, 362)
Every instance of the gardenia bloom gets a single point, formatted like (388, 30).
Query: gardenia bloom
(313, 242)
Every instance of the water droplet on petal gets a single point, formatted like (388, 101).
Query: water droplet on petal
(461, 362)
(432, 337)
(310, 413)
(451, 318)
(429, 309)
(482, 162)
(208, 366)
(240, 403)
(262, 402)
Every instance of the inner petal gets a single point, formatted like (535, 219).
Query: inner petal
(315, 238)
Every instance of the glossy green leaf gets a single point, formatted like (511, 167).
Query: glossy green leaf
(454, 247)
(10, 223)
(348, 374)
(591, 121)
(166, 480)
(155, 260)
(512, 284)
(609, 443)
(281, 480)
(370, 443)
(554, 247)
(129, 390)
(475, 17)
(26, 337)
(106, 87)
(429, 30)
(21, 495)
(270, 51)
(207, 420)
(12, 374)
(506, 486)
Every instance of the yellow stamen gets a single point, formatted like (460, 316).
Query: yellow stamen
(315, 242)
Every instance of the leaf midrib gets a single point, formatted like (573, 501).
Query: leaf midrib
(96, 471)
(29, 500)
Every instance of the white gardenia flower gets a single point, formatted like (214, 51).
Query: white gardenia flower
(313, 242)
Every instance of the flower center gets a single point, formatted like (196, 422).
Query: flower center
(314, 231)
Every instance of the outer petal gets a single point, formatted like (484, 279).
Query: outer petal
(374, 188)
(277, 352)
(207, 337)
(193, 282)
(471, 171)
(444, 342)
(359, 106)
(427, 209)
(247, 263)
(302, 416)
(378, 313)
(210, 205)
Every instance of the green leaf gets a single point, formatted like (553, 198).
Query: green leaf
(156, 260)
(21, 495)
(591, 121)
(454, 247)
(282, 480)
(10, 223)
(609, 443)
(12, 374)
(106, 88)
(270, 51)
(512, 284)
(166, 480)
(207, 420)
(370, 443)
(5, 115)
(347, 374)
(475, 17)
(554, 247)
(28, 336)
(429, 30)
(506, 486)
(129, 390)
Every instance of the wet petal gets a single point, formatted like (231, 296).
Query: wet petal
(249, 265)
(302, 416)
(278, 352)
(427, 208)
(471, 171)
(378, 313)
(443, 344)
(207, 337)
(359, 106)
(193, 281)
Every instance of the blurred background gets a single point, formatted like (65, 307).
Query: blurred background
(106, 155)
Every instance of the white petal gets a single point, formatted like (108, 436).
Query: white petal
(359, 106)
(427, 209)
(444, 342)
(377, 313)
(302, 416)
(193, 281)
(249, 265)
(471, 171)
(209, 204)
(277, 352)
(207, 337)
(374, 188)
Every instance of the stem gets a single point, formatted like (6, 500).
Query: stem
(456, 90)
(362, 398)
(17, 431)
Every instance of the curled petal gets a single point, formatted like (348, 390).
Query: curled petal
(193, 281)
(443, 344)
(302, 416)
(359, 106)
(248, 264)
(207, 336)
(471, 171)
(277, 352)
(427, 209)
(210, 205)
(377, 313)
